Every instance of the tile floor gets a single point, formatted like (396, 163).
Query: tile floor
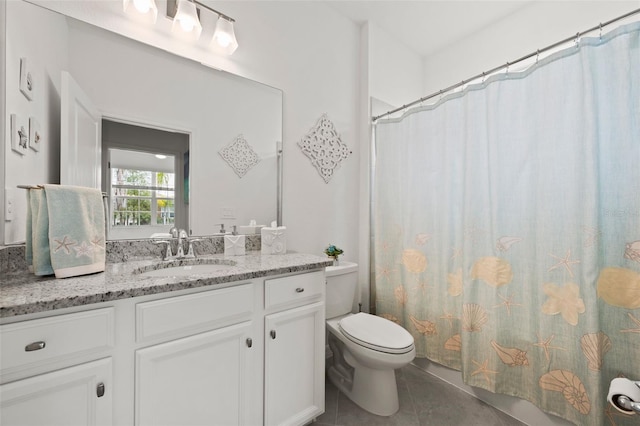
(424, 400)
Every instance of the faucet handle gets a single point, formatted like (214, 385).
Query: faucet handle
(168, 254)
(183, 234)
(174, 232)
(190, 251)
(222, 230)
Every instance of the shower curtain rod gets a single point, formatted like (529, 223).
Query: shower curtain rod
(575, 37)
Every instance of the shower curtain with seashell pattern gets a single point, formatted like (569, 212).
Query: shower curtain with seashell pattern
(506, 227)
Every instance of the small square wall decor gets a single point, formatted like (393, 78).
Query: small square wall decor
(26, 80)
(19, 134)
(35, 135)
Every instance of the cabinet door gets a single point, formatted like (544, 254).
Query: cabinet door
(294, 365)
(204, 379)
(78, 395)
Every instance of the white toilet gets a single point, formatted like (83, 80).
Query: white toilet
(366, 349)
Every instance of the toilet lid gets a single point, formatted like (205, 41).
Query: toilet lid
(376, 333)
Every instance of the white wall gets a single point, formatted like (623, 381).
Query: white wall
(535, 26)
(3, 78)
(390, 76)
(312, 53)
(395, 70)
(46, 57)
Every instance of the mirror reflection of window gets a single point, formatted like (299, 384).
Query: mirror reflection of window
(142, 192)
(143, 173)
(142, 197)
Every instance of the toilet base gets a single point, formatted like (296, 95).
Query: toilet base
(373, 390)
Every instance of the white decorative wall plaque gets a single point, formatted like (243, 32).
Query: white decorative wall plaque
(26, 80)
(239, 155)
(324, 148)
(19, 134)
(35, 135)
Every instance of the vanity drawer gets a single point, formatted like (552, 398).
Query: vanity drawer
(182, 315)
(49, 340)
(294, 290)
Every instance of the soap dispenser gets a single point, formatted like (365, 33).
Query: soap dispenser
(234, 244)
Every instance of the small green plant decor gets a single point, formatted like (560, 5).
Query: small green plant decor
(334, 252)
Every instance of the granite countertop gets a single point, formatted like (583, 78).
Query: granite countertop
(24, 293)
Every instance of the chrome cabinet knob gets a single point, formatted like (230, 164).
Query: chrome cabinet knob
(100, 390)
(35, 346)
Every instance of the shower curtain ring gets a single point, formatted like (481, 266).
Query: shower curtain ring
(483, 75)
(600, 31)
(537, 55)
(577, 39)
(506, 71)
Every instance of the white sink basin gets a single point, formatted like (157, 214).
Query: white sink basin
(187, 270)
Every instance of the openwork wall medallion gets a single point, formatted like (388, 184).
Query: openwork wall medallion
(239, 155)
(324, 148)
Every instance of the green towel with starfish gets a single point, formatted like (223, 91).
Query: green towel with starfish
(67, 231)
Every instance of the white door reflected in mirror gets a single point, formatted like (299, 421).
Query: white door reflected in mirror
(80, 139)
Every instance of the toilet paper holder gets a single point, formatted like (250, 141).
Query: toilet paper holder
(624, 402)
(624, 394)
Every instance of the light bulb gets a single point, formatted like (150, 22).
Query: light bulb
(186, 20)
(224, 39)
(224, 36)
(141, 10)
(142, 6)
(187, 25)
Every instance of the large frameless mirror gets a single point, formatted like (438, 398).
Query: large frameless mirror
(220, 131)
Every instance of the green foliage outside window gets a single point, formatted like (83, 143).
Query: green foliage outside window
(133, 195)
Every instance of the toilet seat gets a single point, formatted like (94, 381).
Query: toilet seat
(376, 333)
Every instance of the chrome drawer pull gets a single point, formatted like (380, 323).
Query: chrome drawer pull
(299, 290)
(249, 342)
(35, 346)
(273, 334)
(100, 390)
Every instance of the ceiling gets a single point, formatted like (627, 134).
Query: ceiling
(428, 26)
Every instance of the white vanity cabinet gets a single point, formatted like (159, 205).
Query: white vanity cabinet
(54, 370)
(202, 377)
(294, 349)
(241, 353)
(77, 395)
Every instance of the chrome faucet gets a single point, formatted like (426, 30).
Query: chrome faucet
(182, 236)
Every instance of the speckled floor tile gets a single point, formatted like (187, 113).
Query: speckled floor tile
(424, 400)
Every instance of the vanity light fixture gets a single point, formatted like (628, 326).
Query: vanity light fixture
(142, 9)
(186, 19)
(161, 156)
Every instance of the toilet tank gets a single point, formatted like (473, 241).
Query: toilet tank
(342, 282)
